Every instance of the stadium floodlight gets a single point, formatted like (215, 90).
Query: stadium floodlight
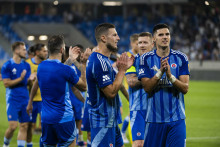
(43, 37)
(56, 2)
(206, 3)
(30, 38)
(111, 3)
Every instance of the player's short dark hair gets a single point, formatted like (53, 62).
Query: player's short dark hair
(55, 43)
(38, 47)
(160, 26)
(16, 45)
(145, 34)
(101, 29)
(80, 46)
(31, 50)
(134, 37)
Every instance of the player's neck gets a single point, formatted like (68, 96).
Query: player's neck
(134, 51)
(102, 49)
(16, 59)
(58, 57)
(37, 60)
(163, 52)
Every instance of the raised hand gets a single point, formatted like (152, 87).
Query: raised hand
(85, 55)
(23, 74)
(130, 61)
(165, 67)
(122, 62)
(74, 52)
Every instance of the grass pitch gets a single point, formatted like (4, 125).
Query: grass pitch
(202, 115)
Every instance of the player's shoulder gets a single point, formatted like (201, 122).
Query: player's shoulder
(180, 54)
(7, 63)
(148, 54)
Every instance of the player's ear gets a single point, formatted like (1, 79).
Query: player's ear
(62, 50)
(103, 38)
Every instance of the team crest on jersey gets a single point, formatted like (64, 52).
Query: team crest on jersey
(173, 65)
(138, 133)
(105, 78)
(14, 71)
(9, 116)
(110, 145)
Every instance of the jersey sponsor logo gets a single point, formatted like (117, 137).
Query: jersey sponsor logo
(141, 71)
(110, 145)
(105, 78)
(173, 65)
(14, 71)
(138, 133)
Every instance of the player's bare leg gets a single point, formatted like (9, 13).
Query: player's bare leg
(73, 144)
(138, 143)
(22, 133)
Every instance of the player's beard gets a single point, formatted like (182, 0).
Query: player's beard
(22, 57)
(111, 48)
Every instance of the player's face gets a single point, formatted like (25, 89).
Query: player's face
(145, 44)
(134, 45)
(43, 53)
(22, 51)
(162, 38)
(112, 39)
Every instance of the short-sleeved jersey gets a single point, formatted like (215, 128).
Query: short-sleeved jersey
(103, 112)
(34, 67)
(11, 70)
(165, 103)
(53, 79)
(137, 95)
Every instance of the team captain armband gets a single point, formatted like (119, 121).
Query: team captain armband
(132, 69)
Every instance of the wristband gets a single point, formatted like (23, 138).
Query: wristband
(158, 74)
(172, 79)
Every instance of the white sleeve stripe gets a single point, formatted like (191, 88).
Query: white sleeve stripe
(103, 64)
(144, 55)
(180, 53)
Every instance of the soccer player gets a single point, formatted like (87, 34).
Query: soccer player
(76, 97)
(41, 53)
(164, 75)
(138, 97)
(132, 51)
(15, 74)
(53, 78)
(103, 87)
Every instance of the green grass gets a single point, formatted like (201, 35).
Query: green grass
(202, 115)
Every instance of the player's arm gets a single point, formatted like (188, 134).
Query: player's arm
(123, 63)
(132, 80)
(32, 94)
(124, 92)
(181, 84)
(149, 84)
(78, 94)
(9, 83)
(82, 84)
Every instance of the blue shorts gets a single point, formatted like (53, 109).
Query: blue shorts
(172, 134)
(62, 134)
(85, 121)
(37, 105)
(137, 122)
(106, 137)
(17, 111)
(77, 109)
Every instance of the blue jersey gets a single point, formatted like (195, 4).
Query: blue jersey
(137, 95)
(103, 112)
(165, 103)
(11, 70)
(53, 79)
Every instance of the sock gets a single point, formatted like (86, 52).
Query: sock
(7, 141)
(77, 135)
(88, 143)
(21, 143)
(125, 125)
(29, 144)
(80, 138)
